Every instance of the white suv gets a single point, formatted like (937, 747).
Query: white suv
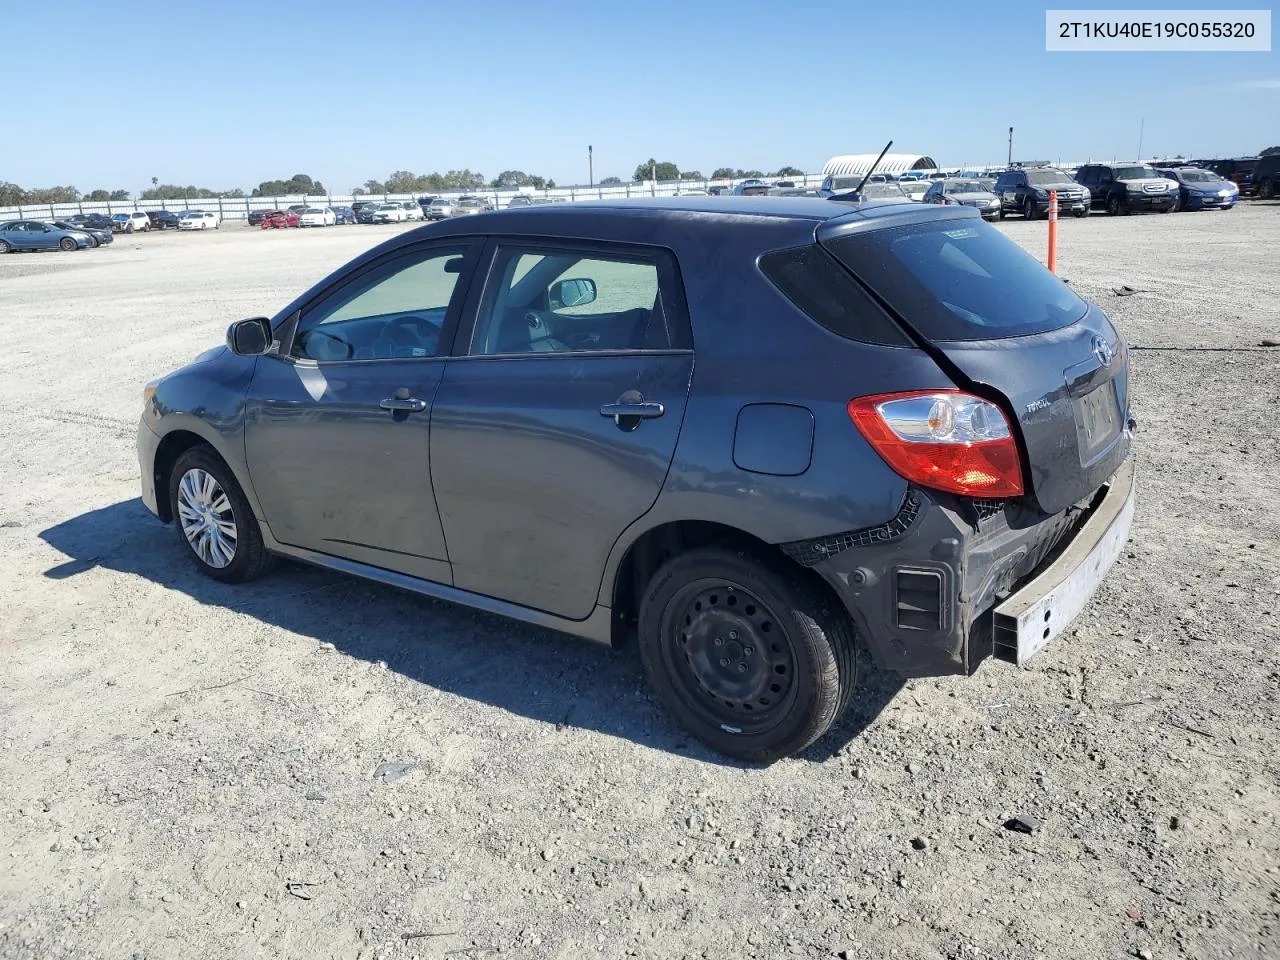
(129, 222)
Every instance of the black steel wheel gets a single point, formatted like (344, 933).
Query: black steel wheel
(4, 247)
(747, 653)
(66, 243)
(1116, 206)
(1029, 208)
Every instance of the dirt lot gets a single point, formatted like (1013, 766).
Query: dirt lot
(194, 770)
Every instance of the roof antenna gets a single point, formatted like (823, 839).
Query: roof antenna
(863, 183)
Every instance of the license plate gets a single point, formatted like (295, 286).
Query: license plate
(1097, 421)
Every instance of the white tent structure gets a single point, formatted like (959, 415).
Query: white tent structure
(853, 164)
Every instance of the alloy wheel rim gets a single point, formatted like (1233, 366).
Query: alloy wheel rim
(730, 657)
(208, 522)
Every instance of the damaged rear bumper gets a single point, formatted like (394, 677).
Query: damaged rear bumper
(951, 581)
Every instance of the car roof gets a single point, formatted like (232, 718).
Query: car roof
(675, 208)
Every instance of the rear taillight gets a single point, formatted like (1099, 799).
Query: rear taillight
(944, 439)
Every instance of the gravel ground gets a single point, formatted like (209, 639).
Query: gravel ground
(312, 766)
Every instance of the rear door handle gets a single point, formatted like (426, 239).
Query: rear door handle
(646, 410)
(403, 404)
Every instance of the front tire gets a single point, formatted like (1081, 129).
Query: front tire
(1029, 209)
(1115, 207)
(1267, 189)
(214, 521)
(748, 655)
(67, 244)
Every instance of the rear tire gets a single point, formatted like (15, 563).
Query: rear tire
(747, 654)
(1267, 189)
(5, 248)
(214, 521)
(129, 228)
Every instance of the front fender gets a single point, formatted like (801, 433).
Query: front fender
(207, 399)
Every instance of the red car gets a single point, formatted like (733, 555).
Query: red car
(279, 218)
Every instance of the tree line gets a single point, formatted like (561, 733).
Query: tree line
(666, 170)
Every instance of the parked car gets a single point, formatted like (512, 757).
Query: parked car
(94, 221)
(750, 188)
(413, 210)
(885, 191)
(358, 205)
(1025, 190)
(343, 214)
(424, 204)
(365, 213)
(944, 499)
(98, 235)
(1239, 170)
(467, 206)
(966, 192)
(316, 217)
(390, 212)
(1125, 187)
(1201, 189)
(277, 219)
(199, 220)
(163, 219)
(1265, 177)
(17, 235)
(520, 200)
(131, 222)
(297, 207)
(257, 216)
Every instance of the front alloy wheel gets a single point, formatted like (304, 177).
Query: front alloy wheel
(214, 519)
(207, 520)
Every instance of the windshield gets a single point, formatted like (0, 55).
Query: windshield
(1046, 176)
(1195, 176)
(1136, 173)
(120, 216)
(313, 210)
(961, 280)
(964, 186)
(844, 183)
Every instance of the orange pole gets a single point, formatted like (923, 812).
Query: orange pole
(1053, 231)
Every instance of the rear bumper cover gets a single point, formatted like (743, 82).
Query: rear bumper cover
(949, 582)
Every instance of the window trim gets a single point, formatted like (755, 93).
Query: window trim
(484, 290)
(471, 251)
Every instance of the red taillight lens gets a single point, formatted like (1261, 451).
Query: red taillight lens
(944, 439)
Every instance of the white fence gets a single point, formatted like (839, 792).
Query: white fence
(239, 208)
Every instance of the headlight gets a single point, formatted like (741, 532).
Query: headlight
(149, 391)
(1041, 194)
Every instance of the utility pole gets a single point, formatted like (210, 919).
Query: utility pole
(653, 178)
(1142, 123)
(1011, 146)
(591, 173)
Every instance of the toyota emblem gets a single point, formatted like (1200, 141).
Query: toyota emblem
(1102, 350)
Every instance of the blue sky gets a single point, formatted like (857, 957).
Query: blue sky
(229, 94)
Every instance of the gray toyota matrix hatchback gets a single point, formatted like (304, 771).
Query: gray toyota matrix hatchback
(753, 432)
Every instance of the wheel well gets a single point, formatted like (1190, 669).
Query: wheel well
(173, 446)
(655, 547)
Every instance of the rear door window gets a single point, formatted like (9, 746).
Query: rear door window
(959, 280)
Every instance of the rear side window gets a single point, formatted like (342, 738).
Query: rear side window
(960, 280)
(825, 291)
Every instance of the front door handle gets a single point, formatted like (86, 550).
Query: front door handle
(629, 415)
(403, 404)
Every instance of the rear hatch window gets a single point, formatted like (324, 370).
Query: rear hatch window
(960, 280)
(1004, 324)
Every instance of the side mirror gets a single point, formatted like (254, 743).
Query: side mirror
(571, 293)
(249, 338)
